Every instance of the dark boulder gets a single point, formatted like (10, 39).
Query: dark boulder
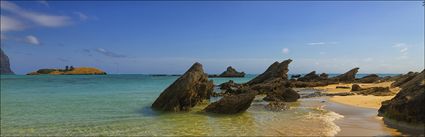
(343, 87)
(4, 64)
(187, 91)
(232, 104)
(282, 94)
(408, 104)
(356, 87)
(295, 76)
(323, 76)
(372, 78)
(349, 76)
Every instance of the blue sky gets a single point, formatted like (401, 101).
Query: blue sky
(167, 37)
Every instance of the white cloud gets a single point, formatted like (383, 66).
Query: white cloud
(403, 50)
(81, 15)
(316, 43)
(10, 24)
(44, 2)
(38, 18)
(322, 43)
(398, 45)
(32, 40)
(285, 50)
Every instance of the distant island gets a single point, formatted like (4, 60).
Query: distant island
(230, 72)
(69, 71)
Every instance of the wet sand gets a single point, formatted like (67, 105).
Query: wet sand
(360, 121)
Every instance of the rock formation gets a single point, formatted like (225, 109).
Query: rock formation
(231, 72)
(372, 78)
(282, 94)
(4, 64)
(276, 71)
(347, 76)
(402, 79)
(187, 91)
(74, 71)
(277, 106)
(311, 77)
(376, 91)
(232, 104)
(356, 87)
(408, 104)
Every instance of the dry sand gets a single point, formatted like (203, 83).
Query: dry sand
(359, 100)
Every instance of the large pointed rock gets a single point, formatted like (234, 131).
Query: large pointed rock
(310, 77)
(275, 71)
(369, 79)
(4, 64)
(187, 91)
(232, 104)
(408, 104)
(349, 76)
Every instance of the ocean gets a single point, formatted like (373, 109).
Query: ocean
(101, 105)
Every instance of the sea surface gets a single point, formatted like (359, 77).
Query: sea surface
(120, 105)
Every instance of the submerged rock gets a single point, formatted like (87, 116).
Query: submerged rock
(4, 63)
(349, 76)
(232, 104)
(277, 106)
(372, 78)
(187, 91)
(408, 104)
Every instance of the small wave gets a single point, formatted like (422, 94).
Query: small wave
(328, 119)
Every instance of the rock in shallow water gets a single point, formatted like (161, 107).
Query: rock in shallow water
(232, 104)
(187, 91)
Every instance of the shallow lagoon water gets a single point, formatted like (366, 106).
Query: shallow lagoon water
(120, 105)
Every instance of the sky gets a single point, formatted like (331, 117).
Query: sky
(167, 37)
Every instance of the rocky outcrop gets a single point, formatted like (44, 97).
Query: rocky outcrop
(187, 91)
(282, 94)
(275, 72)
(402, 79)
(349, 76)
(4, 64)
(231, 72)
(232, 104)
(408, 104)
(372, 78)
(74, 71)
(277, 106)
(310, 77)
(376, 91)
(295, 76)
(323, 76)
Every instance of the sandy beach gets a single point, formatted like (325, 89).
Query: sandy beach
(364, 101)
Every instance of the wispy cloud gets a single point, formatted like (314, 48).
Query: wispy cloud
(81, 16)
(321, 43)
(44, 2)
(109, 53)
(285, 50)
(32, 40)
(403, 48)
(41, 19)
(10, 24)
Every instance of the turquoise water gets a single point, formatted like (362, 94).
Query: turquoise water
(120, 105)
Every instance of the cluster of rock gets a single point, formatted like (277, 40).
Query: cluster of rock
(230, 72)
(4, 64)
(408, 104)
(376, 91)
